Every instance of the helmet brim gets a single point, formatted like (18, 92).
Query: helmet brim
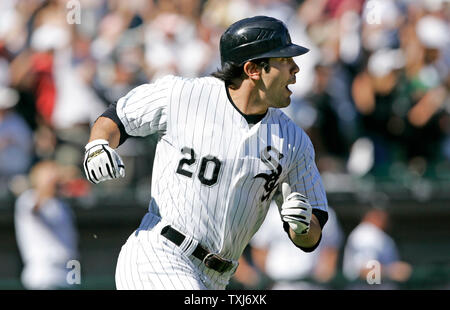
(287, 51)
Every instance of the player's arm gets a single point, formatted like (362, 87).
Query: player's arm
(309, 239)
(101, 161)
(109, 127)
(304, 206)
(105, 128)
(141, 112)
(302, 225)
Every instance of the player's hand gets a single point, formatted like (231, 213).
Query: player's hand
(101, 162)
(295, 210)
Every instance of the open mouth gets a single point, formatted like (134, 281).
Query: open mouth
(290, 83)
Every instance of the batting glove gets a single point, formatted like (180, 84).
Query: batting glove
(101, 162)
(295, 210)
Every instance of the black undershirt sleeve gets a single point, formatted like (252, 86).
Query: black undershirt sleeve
(322, 216)
(111, 113)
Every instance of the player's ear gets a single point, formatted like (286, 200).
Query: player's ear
(252, 70)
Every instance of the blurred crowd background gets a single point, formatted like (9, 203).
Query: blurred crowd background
(372, 93)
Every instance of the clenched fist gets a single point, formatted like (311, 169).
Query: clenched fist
(101, 162)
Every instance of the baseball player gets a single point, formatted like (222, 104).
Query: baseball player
(224, 149)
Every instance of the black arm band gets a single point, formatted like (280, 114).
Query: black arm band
(322, 216)
(111, 113)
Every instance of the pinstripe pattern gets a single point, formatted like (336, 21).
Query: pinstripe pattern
(195, 114)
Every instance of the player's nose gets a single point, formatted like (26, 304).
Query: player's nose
(295, 68)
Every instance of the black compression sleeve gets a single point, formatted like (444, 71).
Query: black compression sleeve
(111, 113)
(322, 216)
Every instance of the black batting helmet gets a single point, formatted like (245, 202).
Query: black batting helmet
(255, 38)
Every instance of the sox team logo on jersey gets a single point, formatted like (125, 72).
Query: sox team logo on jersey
(272, 177)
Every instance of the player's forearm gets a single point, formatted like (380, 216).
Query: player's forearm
(311, 238)
(105, 128)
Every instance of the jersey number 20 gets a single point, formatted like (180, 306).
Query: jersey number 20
(211, 161)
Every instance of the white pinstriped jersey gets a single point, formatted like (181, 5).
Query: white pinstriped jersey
(214, 175)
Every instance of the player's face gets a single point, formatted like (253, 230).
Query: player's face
(282, 73)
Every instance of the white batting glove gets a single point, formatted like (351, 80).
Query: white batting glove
(101, 162)
(295, 210)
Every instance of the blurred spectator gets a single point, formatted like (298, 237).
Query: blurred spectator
(381, 70)
(177, 44)
(64, 98)
(381, 20)
(15, 138)
(45, 143)
(327, 110)
(401, 92)
(428, 73)
(328, 123)
(380, 94)
(45, 230)
(370, 242)
(282, 266)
